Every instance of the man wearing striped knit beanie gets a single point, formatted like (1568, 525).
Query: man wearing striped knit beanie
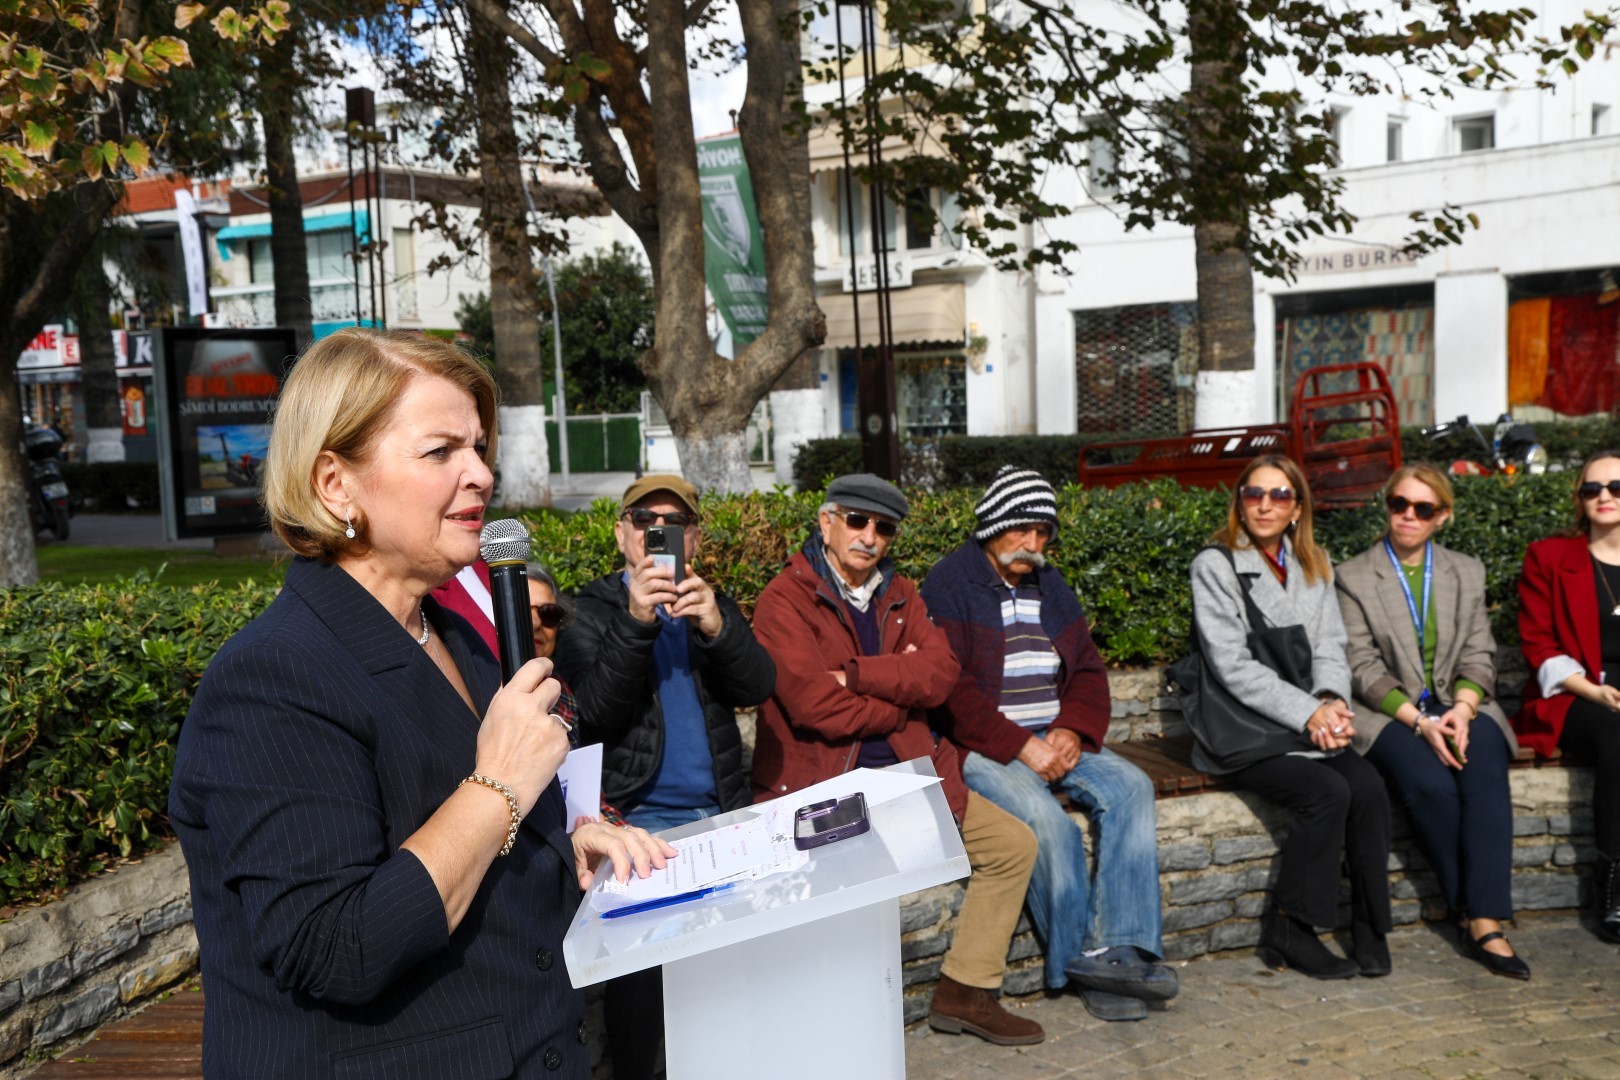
(1030, 713)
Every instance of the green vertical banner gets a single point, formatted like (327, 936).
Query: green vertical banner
(733, 245)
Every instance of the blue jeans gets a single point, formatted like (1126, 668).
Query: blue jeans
(658, 818)
(1071, 912)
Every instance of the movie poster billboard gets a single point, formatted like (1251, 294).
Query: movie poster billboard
(215, 389)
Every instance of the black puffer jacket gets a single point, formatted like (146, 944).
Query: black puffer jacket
(606, 656)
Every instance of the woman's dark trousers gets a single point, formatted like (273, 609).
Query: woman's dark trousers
(1463, 818)
(1337, 805)
(1592, 735)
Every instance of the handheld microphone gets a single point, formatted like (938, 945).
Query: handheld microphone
(504, 545)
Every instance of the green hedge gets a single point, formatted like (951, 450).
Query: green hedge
(1126, 551)
(94, 681)
(108, 486)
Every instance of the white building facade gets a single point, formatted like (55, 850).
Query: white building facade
(1521, 315)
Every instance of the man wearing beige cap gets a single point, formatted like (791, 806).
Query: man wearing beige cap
(659, 667)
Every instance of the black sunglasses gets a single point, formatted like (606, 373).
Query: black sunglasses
(859, 521)
(1592, 489)
(549, 616)
(641, 518)
(1424, 510)
(1252, 495)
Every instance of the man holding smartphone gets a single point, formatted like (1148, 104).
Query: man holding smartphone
(659, 664)
(858, 667)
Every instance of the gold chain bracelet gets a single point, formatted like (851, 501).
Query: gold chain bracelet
(511, 805)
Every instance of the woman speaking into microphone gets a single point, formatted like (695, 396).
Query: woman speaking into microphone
(380, 870)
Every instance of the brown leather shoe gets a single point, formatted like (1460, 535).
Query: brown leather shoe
(957, 1008)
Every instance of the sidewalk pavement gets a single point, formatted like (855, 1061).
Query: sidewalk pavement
(1440, 1016)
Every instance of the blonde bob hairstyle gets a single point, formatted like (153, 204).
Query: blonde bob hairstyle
(340, 397)
(1582, 525)
(1428, 475)
(1235, 535)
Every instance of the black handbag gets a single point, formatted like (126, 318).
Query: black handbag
(1228, 735)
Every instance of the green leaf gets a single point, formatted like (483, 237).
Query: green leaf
(39, 137)
(593, 67)
(138, 155)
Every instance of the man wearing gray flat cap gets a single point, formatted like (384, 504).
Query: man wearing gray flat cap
(858, 666)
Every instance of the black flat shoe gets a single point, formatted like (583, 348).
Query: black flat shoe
(1510, 966)
(1369, 950)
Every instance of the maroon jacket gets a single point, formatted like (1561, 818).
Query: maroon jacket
(811, 728)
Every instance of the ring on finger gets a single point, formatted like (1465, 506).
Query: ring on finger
(559, 718)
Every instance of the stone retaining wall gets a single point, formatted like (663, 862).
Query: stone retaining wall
(92, 956)
(1217, 852)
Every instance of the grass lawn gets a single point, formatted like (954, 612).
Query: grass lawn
(73, 565)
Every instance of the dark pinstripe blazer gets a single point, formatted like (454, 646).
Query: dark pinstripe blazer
(320, 738)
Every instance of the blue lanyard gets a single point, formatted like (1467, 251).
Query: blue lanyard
(1419, 615)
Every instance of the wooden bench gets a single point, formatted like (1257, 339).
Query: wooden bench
(1167, 761)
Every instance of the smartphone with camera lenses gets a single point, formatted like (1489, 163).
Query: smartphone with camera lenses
(667, 546)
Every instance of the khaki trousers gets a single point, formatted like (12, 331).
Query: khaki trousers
(1001, 851)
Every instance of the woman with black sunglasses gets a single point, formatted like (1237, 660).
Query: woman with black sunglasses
(1335, 800)
(1569, 629)
(1423, 668)
(548, 614)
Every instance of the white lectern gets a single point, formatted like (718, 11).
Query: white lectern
(798, 977)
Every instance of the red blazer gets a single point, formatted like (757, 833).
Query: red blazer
(1558, 614)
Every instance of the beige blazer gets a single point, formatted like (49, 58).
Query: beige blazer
(1383, 648)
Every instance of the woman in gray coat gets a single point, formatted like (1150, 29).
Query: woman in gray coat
(1336, 800)
(1422, 668)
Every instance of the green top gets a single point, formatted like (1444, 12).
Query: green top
(1398, 697)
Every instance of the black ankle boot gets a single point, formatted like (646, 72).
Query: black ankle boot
(1369, 950)
(1287, 942)
(1607, 888)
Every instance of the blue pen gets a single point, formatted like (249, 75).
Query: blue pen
(666, 901)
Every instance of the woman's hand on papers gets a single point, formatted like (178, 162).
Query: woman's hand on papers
(629, 848)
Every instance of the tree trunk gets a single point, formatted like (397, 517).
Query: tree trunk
(514, 297)
(708, 399)
(289, 251)
(98, 375)
(1226, 390)
(41, 250)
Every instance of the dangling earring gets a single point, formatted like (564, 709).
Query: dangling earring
(348, 529)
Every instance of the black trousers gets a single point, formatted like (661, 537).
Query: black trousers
(633, 1007)
(1463, 818)
(1592, 733)
(1338, 805)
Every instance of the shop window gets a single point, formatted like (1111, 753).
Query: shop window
(931, 388)
(1398, 336)
(1135, 369)
(1471, 133)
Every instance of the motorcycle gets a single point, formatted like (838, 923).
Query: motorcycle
(1511, 449)
(50, 504)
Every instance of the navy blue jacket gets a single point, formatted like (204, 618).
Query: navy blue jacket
(321, 737)
(964, 595)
